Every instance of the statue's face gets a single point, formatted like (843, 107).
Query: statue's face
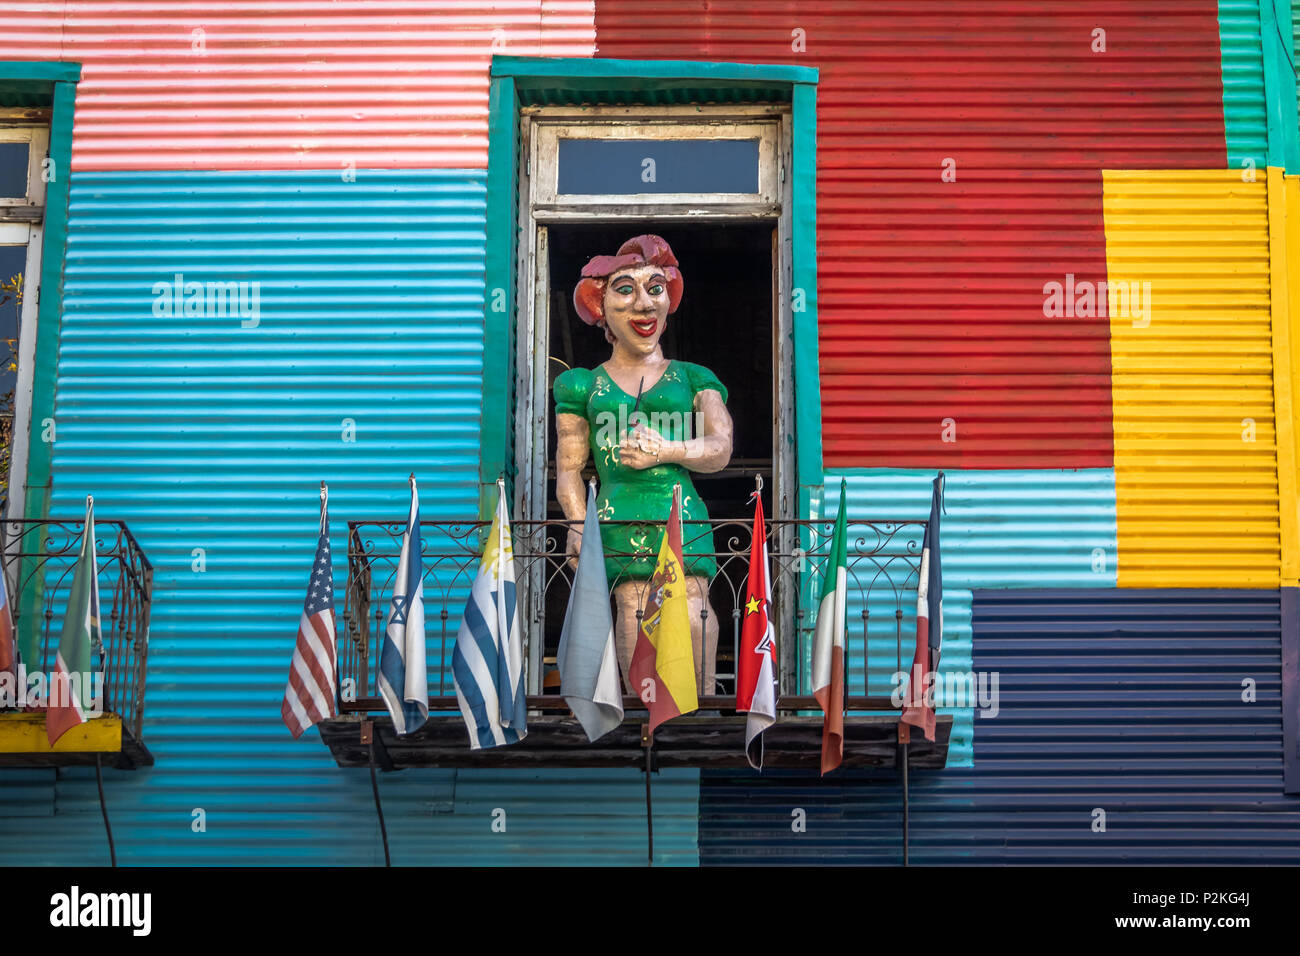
(636, 307)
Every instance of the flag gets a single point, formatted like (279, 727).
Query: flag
(403, 682)
(488, 663)
(756, 683)
(309, 695)
(918, 704)
(663, 662)
(70, 691)
(588, 667)
(8, 649)
(828, 646)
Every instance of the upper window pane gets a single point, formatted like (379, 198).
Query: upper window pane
(13, 169)
(610, 167)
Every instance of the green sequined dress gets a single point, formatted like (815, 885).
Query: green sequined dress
(629, 494)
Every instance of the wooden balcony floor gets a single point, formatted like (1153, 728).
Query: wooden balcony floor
(555, 740)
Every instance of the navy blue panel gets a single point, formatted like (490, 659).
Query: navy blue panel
(623, 166)
(13, 170)
(1160, 708)
(1291, 687)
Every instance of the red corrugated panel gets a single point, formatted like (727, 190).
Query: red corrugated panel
(300, 84)
(931, 292)
(31, 30)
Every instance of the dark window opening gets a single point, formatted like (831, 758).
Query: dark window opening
(725, 322)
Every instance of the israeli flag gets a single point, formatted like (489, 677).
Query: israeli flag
(488, 663)
(403, 680)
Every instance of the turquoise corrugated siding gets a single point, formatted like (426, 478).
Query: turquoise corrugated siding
(1245, 119)
(1003, 529)
(202, 434)
(1295, 38)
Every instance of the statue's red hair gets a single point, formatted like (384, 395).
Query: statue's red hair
(589, 296)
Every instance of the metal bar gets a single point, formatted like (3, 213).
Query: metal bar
(108, 827)
(648, 742)
(554, 702)
(379, 807)
(904, 748)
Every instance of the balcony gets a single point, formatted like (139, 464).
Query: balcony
(39, 560)
(883, 565)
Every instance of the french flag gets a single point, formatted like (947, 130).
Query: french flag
(918, 705)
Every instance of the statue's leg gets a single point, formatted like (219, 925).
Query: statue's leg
(705, 638)
(629, 598)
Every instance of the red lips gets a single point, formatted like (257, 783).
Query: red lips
(644, 327)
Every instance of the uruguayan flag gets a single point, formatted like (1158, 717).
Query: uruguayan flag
(403, 681)
(488, 663)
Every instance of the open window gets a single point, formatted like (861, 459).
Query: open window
(24, 142)
(711, 182)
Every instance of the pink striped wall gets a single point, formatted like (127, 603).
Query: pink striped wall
(299, 84)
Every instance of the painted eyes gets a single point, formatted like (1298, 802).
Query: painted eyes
(624, 288)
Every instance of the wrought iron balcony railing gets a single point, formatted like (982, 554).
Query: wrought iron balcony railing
(883, 565)
(39, 560)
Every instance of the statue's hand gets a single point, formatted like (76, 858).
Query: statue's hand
(573, 546)
(642, 448)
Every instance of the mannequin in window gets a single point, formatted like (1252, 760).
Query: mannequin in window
(680, 425)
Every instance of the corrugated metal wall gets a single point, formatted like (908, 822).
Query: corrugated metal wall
(1130, 701)
(931, 297)
(1003, 529)
(931, 292)
(1195, 455)
(1295, 38)
(247, 84)
(1245, 118)
(203, 434)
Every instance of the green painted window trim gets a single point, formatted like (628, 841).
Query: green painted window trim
(517, 81)
(1279, 84)
(54, 85)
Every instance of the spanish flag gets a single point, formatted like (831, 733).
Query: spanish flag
(663, 661)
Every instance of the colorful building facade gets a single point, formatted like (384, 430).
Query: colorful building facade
(1049, 250)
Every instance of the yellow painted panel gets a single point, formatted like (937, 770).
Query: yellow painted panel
(1196, 482)
(25, 734)
(1284, 234)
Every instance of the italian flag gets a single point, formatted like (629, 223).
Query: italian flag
(663, 662)
(828, 647)
(70, 690)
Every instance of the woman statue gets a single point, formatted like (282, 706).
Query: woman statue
(649, 421)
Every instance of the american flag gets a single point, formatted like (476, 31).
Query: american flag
(309, 697)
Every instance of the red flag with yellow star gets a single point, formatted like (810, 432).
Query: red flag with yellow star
(756, 674)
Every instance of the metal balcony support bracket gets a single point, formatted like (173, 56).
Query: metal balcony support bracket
(648, 744)
(368, 739)
(103, 808)
(904, 758)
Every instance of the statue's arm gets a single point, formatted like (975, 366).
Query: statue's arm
(710, 451)
(572, 433)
